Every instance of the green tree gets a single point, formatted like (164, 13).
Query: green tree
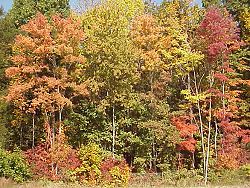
(110, 66)
(23, 10)
(208, 3)
(7, 33)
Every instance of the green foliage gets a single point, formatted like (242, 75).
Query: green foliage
(14, 166)
(246, 170)
(230, 177)
(86, 124)
(208, 3)
(109, 67)
(23, 10)
(183, 177)
(7, 33)
(3, 122)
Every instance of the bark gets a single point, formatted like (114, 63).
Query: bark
(191, 119)
(215, 139)
(201, 123)
(209, 132)
(113, 132)
(223, 97)
(33, 131)
(21, 137)
(60, 122)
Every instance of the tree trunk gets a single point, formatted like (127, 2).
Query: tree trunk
(153, 155)
(47, 127)
(21, 136)
(209, 129)
(193, 161)
(60, 122)
(201, 123)
(191, 119)
(215, 139)
(208, 140)
(113, 132)
(33, 131)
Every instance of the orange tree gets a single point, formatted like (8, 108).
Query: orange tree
(43, 78)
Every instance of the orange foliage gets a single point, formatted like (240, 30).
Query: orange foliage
(187, 130)
(44, 63)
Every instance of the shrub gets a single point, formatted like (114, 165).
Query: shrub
(91, 157)
(229, 176)
(183, 177)
(14, 166)
(53, 163)
(115, 172)
(246, 170)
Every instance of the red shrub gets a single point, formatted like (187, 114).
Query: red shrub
(115, 172)
(52, 163)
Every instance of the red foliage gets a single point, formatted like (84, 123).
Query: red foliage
(188, 145)
(221, 77)
(108, 164)
(218, 32)
(45, 165)
(233, 152)
(186, 130)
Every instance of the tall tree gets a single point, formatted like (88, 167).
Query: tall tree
(20, 13)
(146, 34)
(218, 36)
(180, 58)
(43, 73)
(110, 64)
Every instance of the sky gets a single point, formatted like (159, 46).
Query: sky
(8, 3)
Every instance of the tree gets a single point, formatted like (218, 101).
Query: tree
(23, 10)
(10, 23)
(43, 79)
(218, 34)
(146, 34)
(7, 33)
(180, 58)
(110, 66)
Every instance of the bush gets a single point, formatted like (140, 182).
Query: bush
(89, 172)
(229, 176)
(246, 170)
(53, 163)
(115, 172)
(183, 177)
(14, 166)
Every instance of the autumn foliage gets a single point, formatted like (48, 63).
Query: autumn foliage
(43, 75)
(115, 172)
(186, 131)
(159, 88)
(53, 163)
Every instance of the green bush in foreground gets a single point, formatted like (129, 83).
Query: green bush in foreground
(14, 166)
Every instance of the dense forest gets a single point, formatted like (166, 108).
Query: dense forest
(121, 87)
